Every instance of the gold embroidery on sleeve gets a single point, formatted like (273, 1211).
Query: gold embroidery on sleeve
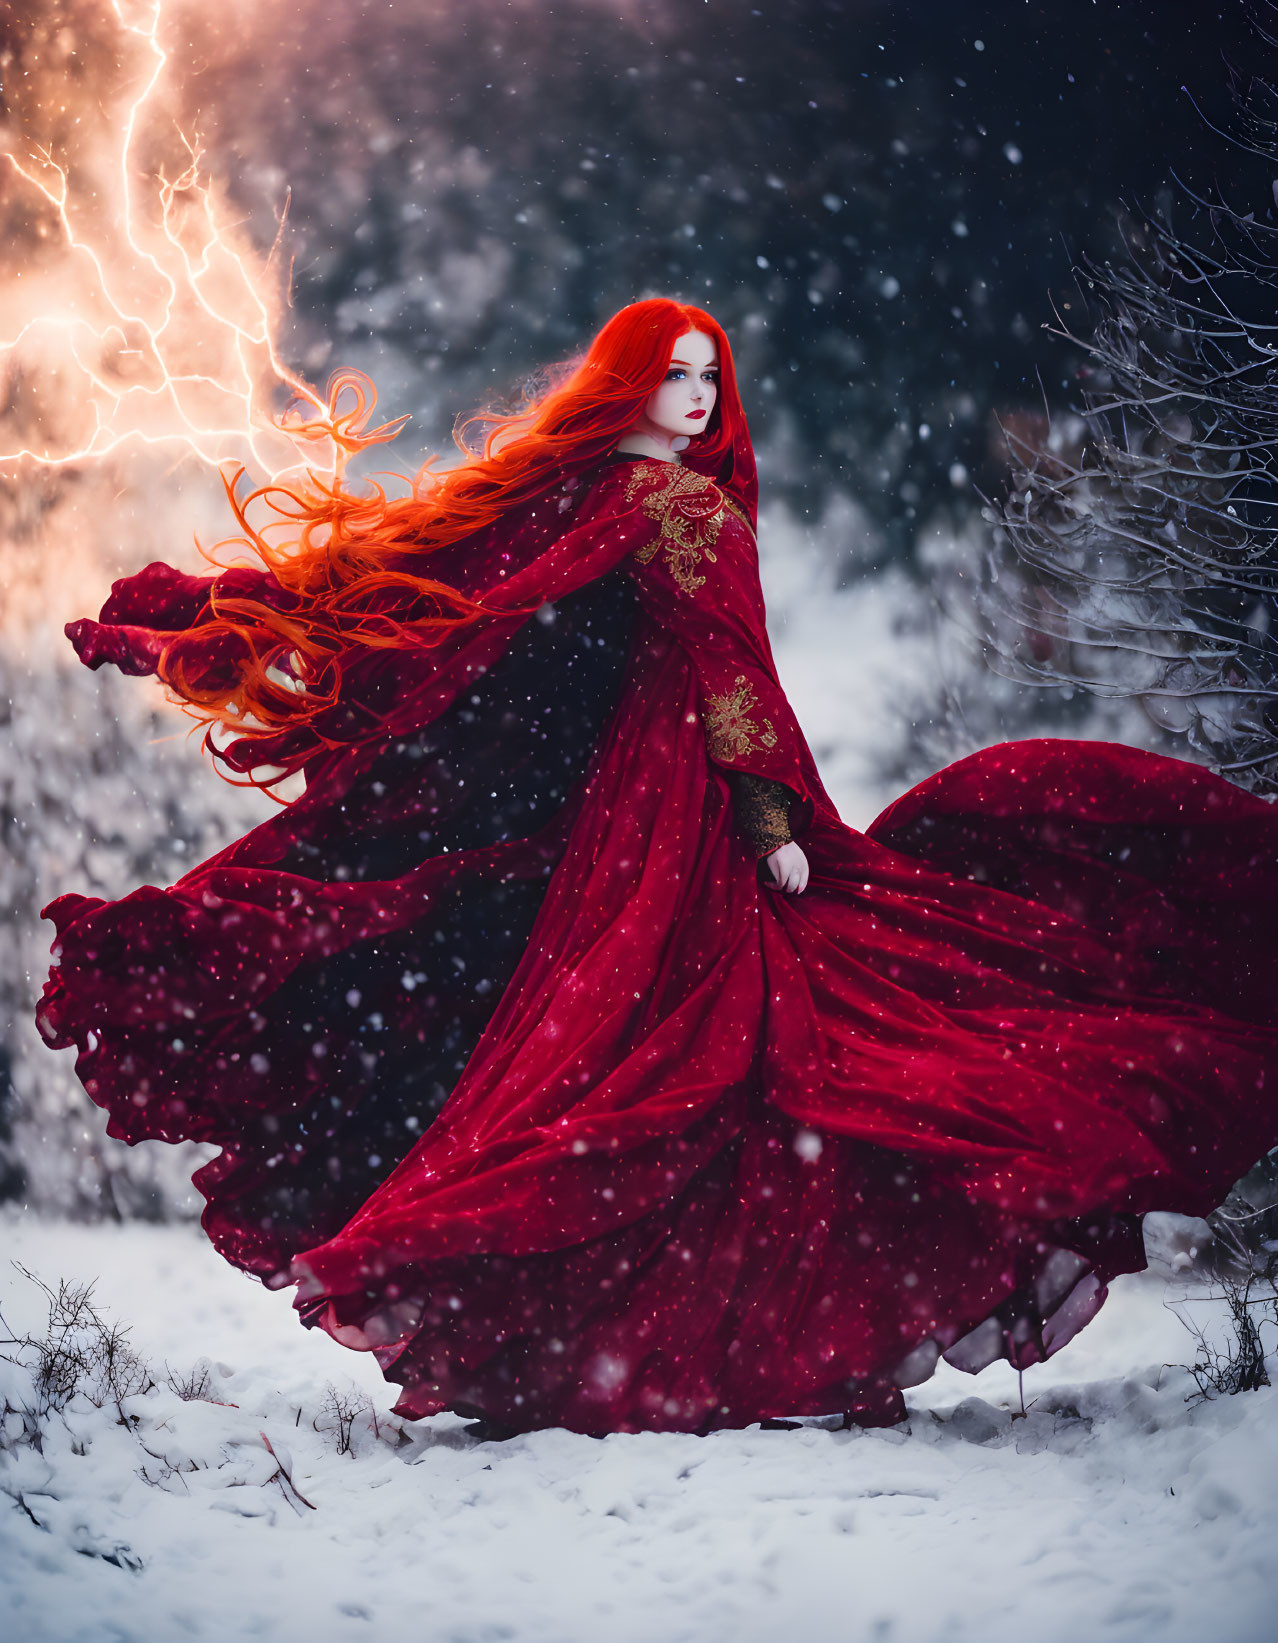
(763, 810)
(730, 731)
(690, 510)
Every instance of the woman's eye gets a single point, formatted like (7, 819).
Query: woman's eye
(674, 376)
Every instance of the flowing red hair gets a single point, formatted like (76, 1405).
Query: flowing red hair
(342, 578)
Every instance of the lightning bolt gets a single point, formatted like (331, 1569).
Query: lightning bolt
(158, 326)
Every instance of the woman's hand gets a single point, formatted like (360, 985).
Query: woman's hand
(789, 869)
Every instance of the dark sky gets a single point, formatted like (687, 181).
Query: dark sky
(878, 199)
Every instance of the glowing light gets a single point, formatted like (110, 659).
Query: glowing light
(146, 315)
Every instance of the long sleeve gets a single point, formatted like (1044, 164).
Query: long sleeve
(698, 576)
(763, 811)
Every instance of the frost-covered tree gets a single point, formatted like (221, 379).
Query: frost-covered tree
(1134, 556)
(1136, 550)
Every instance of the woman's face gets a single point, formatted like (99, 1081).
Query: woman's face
(684, 401)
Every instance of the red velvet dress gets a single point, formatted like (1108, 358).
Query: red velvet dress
(537, 1091)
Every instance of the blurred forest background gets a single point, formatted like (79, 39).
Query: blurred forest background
(884, 203)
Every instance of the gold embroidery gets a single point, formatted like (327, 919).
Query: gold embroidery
(690, 509)
(730, 731)
(763, 810)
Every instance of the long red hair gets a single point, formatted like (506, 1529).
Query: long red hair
(340, 559)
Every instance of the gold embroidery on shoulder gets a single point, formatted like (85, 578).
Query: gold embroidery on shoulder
(690, 510)
(730, 731)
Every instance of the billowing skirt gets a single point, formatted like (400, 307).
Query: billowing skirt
(708, 1152)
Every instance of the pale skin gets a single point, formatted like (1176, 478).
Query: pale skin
(678, 411)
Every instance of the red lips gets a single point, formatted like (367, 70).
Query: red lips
(696, 413)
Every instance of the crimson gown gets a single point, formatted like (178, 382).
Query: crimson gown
(528, 1080)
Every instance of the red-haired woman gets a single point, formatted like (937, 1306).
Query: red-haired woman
(563, 1046)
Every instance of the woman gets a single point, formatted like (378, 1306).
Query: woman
(748, 1115)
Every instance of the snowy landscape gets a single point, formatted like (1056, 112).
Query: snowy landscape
(1118, 1507)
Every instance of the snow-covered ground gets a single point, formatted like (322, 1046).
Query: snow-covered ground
(1112, 1510)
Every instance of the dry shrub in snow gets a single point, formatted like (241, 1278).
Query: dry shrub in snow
(1242, 1262)
(79, 1352)
(346, 1414)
